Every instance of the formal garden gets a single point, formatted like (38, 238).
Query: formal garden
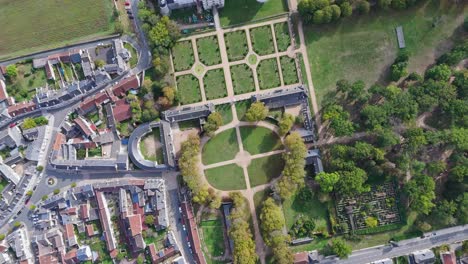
(182, 56)
(283, 40)
(268, 74)
(289, 71)
(236, 45)
(188, 87)
(214, 84)
(242, 79)
(208, 50)
(262, 40)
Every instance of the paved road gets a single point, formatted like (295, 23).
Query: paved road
(405, 247)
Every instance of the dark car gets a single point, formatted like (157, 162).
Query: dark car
(131, 17)
(129, 12)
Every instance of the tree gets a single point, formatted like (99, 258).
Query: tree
(257, 111)
(398, 70)
(343, 85)
(2, 237)
(164, 33)
(56, 191)
(399, 4)
(414, 139)
(32, 207)
(161, 66)
(149, 220)
(357, 88)
(140, 259)
(363, 7)
(371, 221)
(244, 245)
(99, 63)
(439, 73)
(327, 181)
(29, 123)
(387, 138)
(293, 172)
(436, 167)
(285, 124)
(319, 17)
(339, 120)
(352, 182)
(384, 4)
(11, 71)
(215, 120)
(346, 9)
(44, 197)
(458, 172)
(336, 12)
(375, 116)
(420, 191)
(444, 213)
(16, 224)
(462, 211)
(340, 248)
(458, 138)
(40, 168)
(404, 107)
(29, 193)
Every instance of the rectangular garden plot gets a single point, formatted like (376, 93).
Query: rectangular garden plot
(288, 68)
(208, 50)
(182, 56)
(215, 85)
(369, 212)
(268, 76)
(262, 40)
(236, 45)
(188, 89)
(242, 79)
(283, 41)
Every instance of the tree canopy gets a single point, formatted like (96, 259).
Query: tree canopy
(257, 112)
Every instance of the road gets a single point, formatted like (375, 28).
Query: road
(405, 247)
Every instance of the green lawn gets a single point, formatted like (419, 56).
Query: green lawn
(312, 208)
(226, 112)
(221, 147)
(213, 236)
(22, 88)
(283, 41)
(262, 40)
(189, 124)
(242, 11)
(236, 45)
(268, 75)
(158, 156)
(242, 79)
(134, 59)
(215, 85)
(29, 26)
(258, 140)
(228, 177)
(188, 89)
(363, 47)
(288, 68)
(182, 56)
(208, 50)
(241, 109)
(263, 170)
(3, 183)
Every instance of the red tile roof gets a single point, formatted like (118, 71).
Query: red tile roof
(59, 140)
(70, 211)
(157, 258)
(48, 259)
(84, 127)
(448, 258)
(301, 258)
(84, 212)
(134, 224)
(70, 257)
(125, 85)
(69, 231)
(21, 108)
(89, 230)
(122, 111)
(193, 233)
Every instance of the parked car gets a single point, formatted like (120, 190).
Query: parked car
(131, 17)
(127, 3)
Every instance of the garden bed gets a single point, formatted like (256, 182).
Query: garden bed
(208, 50)
(188, 88)
(268, 76)
(236, 45)
(182, 56)
(215, 85)
(262, 40)
(288, 68)
(242, 79)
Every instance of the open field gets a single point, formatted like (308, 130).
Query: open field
(288, 68)
(263, 170)
(29, 26)
(268, 74)
(221, 147)
(312, 208)
(208, 50)
(242, 11)
(241, 109)
(22, 88)
(258, 140)
(364, 47)
(189, 89)
(213, 236)
(151, 148)
(215, 85)
(182, 56)
(228, 177)
(236, 45)
(226, 112)
(283, 41)
(262, 40)
(242, 79)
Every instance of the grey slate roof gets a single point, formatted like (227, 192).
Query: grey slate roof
(188, 113)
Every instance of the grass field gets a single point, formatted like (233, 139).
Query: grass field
(312, 208)
(221, 147)
(262, 40)
(228, 177)
(242, 79)
(226, 112)
(208, 50)
(30, 25)
(22, 88)
(288, 68)
(213, 236)
(242, 11)
(134, 59)
(241, 109)
(268, 75)
(182, 56)
(189, 89)
(215, 85)
(258, 140)
(283, 41)
(3, 183)
(263, 170)
(158, 155)
(336, 50)
(236, 45)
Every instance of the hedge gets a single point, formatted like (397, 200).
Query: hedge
(378, 229)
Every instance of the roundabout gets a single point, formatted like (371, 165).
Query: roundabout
(242, 156)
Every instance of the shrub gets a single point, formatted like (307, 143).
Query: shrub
(363, 7)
